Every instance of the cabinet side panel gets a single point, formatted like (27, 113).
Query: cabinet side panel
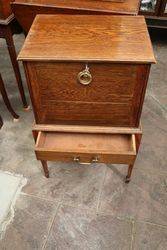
(34, 93)
(143, 76)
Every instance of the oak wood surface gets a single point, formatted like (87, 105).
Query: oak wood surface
(125, 7)
(26, 12)
(88, 38)
(66, 146)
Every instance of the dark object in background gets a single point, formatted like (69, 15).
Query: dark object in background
(155, 12)
(8, 26)
(158, 35)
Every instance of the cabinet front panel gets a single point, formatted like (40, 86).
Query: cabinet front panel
(113, 97)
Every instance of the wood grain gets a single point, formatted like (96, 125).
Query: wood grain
(84, 129)
(113, 98)
(26, 10)
(88, 38)
(126, 7)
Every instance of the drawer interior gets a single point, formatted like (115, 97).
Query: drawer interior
(85, 143)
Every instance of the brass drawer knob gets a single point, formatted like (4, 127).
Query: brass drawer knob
(94, 160)
(85, 77)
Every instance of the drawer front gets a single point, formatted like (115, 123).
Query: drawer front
(84, 159)
(85, 148)
(113, 96)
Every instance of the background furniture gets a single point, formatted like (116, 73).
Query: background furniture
(6, 99)
(87, 90)
(26, 10)
(7, 29)
(155, 12)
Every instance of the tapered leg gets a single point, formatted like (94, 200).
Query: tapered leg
(138, 138)
(45, 168)
(128, 177)
(12, 53)
(6, 99)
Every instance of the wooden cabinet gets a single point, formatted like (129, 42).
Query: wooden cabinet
(87, 79)
(26, 10)
(155, 12)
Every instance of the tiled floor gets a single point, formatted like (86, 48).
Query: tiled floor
(89, 207)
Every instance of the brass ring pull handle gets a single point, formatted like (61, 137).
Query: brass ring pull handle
(85, 77)
(94, 160)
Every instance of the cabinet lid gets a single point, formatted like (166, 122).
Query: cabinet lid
(88, 38)
(111, 6)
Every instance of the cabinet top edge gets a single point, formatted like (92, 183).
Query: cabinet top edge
(88, 38)
(61, 60)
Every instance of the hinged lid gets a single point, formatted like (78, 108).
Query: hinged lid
(88, 38)
(130, 7)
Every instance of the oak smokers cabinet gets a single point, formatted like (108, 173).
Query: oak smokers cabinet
(87, 79)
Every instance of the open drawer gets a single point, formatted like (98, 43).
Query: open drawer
(86, 148)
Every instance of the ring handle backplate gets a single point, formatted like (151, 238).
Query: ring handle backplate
(85, 77)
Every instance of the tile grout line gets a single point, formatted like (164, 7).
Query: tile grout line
(157, 101)
(152, 223)
(50, 227)
(152, 171)
(41, 198)
(132, 234)
(100, 191)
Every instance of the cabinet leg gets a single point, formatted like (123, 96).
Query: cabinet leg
(128, 177)
(6, 99)
(12, 53)
(45, 168)
(138, 138)
(138, 141)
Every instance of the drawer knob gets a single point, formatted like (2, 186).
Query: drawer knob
(94, 160)
(85, 77)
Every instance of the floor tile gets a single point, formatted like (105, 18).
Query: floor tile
(78, 184)
(149, 237)
(152, 153)
(75, 229)
(145, 197)
(30, 224)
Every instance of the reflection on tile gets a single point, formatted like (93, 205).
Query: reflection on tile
(30, 225)
(150, 237)
(143, 198)
(75, 229)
